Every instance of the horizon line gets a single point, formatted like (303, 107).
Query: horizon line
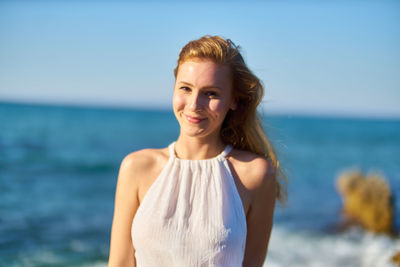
(163, 108)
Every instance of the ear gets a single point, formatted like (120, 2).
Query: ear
(233, 105)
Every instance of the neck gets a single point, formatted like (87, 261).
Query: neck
(194, 148)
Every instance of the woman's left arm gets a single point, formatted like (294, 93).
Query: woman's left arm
(260, 215)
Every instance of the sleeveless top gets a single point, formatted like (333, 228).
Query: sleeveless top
(192, 215)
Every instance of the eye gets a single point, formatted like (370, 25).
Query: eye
(211, 94)
(185, 89)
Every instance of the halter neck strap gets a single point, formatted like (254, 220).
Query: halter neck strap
(226, 151)
(223, 154)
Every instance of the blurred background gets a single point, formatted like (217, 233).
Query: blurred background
(83, 83)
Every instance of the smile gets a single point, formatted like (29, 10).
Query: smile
(193, 119)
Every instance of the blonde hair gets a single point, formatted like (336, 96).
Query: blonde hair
(242, 127)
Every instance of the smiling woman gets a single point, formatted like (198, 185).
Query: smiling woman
(202, 98)
(207, 199)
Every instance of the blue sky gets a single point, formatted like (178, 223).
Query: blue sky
(314, 57)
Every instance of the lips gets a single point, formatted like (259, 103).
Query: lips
(193, 119)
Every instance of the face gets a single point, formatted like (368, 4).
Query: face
(202, 97)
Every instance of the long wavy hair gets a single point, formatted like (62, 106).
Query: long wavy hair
(242, 127)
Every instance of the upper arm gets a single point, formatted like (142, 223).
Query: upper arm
(125, 207)
(260, 215)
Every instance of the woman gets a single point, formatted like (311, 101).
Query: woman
(208, 198)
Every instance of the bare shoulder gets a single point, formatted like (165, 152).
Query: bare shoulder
(143, 159)
(253, 170)
(140, 166)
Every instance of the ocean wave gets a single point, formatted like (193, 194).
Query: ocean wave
(351, 248)
(42, 165)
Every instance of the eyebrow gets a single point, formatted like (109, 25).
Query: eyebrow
(204, 87)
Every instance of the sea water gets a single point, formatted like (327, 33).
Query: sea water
(59, 167)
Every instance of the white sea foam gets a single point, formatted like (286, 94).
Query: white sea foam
(351, 248)
(78, 246)
(96, 264)
(41, 257)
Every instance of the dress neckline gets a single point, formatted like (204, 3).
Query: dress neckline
(220, 156)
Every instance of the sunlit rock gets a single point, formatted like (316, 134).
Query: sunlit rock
(367, 200)
(396, 258)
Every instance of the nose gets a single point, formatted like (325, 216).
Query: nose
(195, 102)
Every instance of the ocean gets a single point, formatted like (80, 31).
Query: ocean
(59, 167)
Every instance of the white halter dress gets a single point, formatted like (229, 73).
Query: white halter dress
(192, 215)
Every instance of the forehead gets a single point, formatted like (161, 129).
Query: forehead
(203, 72)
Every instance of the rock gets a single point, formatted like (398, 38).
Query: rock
(396, 258)
(367, 201)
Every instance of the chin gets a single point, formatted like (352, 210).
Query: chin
(193, 132)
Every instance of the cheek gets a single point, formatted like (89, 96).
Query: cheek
(217, 107)
(178, 101)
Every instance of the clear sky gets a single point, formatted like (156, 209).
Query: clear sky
(319, 57)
